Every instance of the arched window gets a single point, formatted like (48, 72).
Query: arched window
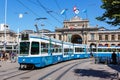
(118, 45)
(106, 45)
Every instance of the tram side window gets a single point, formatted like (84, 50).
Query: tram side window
(104, 50)
(99, 50)
(44, 47)
(35, 48)
(78, 49)
(57, 49)
(109, 50)
(94, 49)
(118, 50)
(66, 50)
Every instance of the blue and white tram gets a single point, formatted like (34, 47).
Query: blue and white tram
(104, 54)
(105, 51)
(39, 51)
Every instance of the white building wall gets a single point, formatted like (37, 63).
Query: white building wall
(2, 27)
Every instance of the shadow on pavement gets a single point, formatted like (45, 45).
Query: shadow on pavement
(94, 73)
(115, 67)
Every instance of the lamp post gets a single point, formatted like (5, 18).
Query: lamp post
(20, 17)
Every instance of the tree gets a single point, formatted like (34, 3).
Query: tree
(112, 12)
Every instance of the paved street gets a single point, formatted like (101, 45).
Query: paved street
(82, 69)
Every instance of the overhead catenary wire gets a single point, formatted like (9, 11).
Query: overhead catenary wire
(28, 8)
(40, 6)
(60, 9)
(34, 13)
(57, 5)
(47, 11)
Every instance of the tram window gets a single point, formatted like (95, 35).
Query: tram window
(79, 49)
(104, 50)
(65, 50)
(35, 48)
(118, 50)
(56, 48)
(24, 47)
(94, 49)
(68, 51)
(99, 50)
(109, 50)
(60, 50)
(44, 47)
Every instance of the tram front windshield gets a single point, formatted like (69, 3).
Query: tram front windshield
(24, 48)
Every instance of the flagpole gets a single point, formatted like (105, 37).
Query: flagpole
(86, 15)
(5, 25)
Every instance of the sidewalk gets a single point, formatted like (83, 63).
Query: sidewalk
(4, 65)
(94, 71)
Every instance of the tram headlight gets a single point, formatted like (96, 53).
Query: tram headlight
(23, 60)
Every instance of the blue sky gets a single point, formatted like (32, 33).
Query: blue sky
(31, 9)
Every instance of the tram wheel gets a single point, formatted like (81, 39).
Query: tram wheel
(30, 67)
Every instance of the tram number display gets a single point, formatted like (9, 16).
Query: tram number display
(24, 37)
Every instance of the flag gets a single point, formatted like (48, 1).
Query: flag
(74, 8)
(77, 11)
(63, 11)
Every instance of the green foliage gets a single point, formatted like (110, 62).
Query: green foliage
(112, 12)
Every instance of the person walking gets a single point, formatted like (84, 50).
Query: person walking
(114, 58)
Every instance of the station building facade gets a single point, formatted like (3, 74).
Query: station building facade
(77, 30)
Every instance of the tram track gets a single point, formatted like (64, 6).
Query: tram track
(22, 74)
(7, 73)
(62, 74)
(15, 74)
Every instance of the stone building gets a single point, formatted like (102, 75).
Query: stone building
(77, 30)
(8, 39)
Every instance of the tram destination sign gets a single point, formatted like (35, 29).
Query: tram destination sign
(25, 37)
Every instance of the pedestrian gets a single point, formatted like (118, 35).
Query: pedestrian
(0, 56)
(3, 55)
(114, 58)
(91, 54)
